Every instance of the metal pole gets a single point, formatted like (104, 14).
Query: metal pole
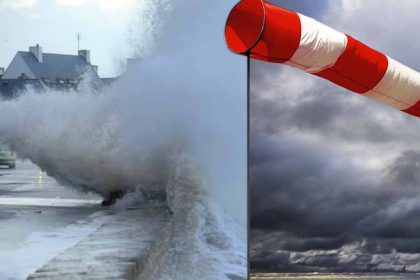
(78, 42)
(248, 101)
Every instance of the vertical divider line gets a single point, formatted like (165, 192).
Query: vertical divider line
(248, 65)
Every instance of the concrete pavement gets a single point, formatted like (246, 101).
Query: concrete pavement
(117, 250)
(36, 219)
(48, 231)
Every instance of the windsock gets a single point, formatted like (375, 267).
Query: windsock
(270, 33)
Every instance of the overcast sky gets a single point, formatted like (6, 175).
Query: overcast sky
(336, 176)
(54, 23)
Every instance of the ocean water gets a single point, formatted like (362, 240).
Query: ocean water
(326, 276)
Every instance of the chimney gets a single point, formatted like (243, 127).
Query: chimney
(85, 54)
(1, 72)
(37, 52)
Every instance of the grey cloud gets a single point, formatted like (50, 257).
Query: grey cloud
(324, 108)
(331, 169)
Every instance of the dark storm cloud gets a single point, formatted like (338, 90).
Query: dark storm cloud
(335, 177)
(322, 108)
(320, 200)
(325, 201)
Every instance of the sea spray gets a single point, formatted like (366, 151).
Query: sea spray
(199, 242)
(185, 100)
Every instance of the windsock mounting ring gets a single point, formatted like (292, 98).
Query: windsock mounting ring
(245, 26)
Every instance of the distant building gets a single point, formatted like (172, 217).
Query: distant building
(56, 71)
(10, 88)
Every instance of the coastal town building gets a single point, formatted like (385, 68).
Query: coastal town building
(41, 70)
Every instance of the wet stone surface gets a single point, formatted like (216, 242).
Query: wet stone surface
(52, 232)
(117, 250)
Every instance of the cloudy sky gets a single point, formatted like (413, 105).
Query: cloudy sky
(54, 23)
(336, 176)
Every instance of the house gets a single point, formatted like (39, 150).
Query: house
(35, 64)
(57, 71)
(9, 88)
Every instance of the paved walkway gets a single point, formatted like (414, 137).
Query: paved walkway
(55, 232)
(39, 218)
(117, 250)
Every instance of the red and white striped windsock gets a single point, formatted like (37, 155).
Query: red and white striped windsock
(270, 33)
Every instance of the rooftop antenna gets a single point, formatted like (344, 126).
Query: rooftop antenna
(79, 37)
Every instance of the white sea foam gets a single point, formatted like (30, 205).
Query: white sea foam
(183, 104)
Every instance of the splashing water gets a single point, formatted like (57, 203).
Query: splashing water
(183, 104)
